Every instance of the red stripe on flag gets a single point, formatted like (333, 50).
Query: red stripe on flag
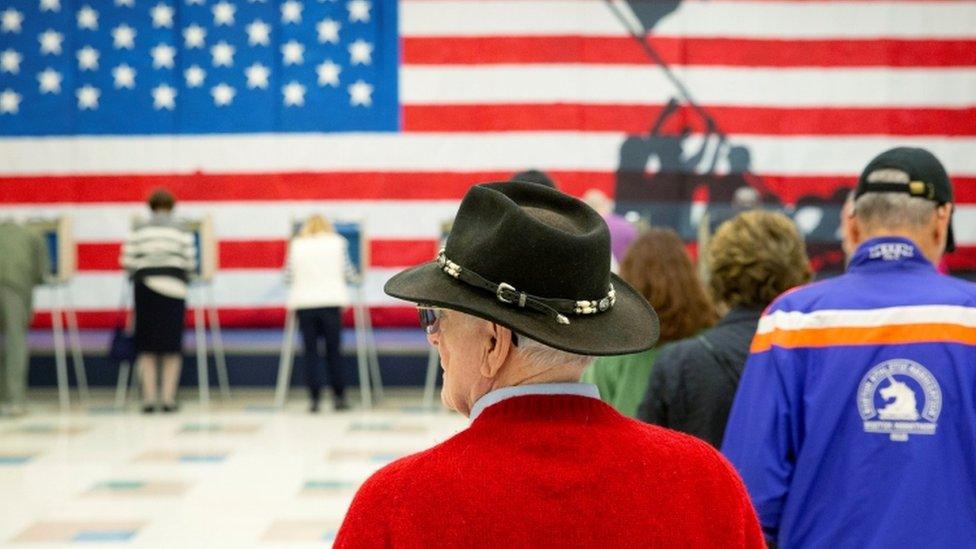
(688, 51)
(266, 254)
(635, 119)
(98, 256)
(361, 186)
(401, 253)
(262, 187)
(250, 254)
(403, 316)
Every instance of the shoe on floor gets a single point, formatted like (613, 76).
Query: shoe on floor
(148, 408)
(170, 408)
(313, 407)
(340, 404)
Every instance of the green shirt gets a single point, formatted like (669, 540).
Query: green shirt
(622, 379)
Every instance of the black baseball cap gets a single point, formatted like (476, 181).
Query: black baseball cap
(909, 170)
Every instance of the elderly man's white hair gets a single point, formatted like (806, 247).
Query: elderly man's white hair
(541, 355)
(879, 211)
(544, 356)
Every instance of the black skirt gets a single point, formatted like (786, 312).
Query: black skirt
(159, 321)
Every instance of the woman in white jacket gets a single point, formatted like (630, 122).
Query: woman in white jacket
(318, 267)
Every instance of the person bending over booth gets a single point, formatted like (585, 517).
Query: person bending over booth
(159, 256)
(23, 264)
(318, 268)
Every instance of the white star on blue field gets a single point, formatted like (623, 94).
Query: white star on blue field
(137, 67)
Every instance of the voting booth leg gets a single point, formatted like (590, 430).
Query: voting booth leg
(218, 345)
(60, 354)
(122, 384)
(127, 382)
(362, 356)
(203, 378)
(74, 338)
(433, 363)
(372, 355)
(286, 360)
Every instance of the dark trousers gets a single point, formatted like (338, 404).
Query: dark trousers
(324, 323)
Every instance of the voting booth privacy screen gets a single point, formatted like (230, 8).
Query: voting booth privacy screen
(61, 247)
(206, 245)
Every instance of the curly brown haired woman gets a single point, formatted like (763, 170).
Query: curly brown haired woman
(656, 265)
(752, 259)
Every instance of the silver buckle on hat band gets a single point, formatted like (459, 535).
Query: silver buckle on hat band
(508, 294)
(515, 296)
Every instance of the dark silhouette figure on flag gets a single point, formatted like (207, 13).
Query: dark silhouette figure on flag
(669, 175)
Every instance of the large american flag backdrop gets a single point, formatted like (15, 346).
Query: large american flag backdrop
(258, 112)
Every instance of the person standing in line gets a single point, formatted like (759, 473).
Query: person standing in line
(535, 176)
(656, 265)
(159, 256)
(517, 303)
(23, 264)
(622, 232)
(752, 259)
(855, 420)
(318, 268)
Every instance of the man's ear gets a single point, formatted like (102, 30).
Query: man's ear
(853, 231)
(499, 347)
(943, 215)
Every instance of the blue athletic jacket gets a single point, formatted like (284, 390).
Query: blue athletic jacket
(854, 424)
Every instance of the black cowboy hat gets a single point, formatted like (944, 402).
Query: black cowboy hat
(536, 261)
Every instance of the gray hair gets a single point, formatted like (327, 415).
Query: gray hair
(545, 356)
(540, 354)
(893, 211)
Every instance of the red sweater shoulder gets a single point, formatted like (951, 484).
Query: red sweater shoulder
(539, 470)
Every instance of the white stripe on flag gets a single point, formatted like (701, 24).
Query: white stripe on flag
(232, 288)
(387, 220)
(266, 220)
(786, 155)
(647, 84)
(760, 19)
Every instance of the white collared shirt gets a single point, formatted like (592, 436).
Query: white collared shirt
(505, 393)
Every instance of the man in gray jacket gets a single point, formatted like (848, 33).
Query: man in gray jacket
(23, 265)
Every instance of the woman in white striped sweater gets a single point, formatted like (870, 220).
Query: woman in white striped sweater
(159, 256)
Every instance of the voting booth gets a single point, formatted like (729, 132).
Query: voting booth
(62, 251)
(62, 258)
(367, 359)
(206, 321)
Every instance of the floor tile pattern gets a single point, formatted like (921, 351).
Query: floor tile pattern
(239, 474)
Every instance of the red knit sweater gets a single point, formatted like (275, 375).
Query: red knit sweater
(556, 470)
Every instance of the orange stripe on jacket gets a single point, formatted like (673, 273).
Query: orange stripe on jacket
(876, 335)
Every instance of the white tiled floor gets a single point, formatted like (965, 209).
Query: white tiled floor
(238, 475)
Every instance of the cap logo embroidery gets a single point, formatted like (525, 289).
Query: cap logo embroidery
(891, 251)
(889, 175)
